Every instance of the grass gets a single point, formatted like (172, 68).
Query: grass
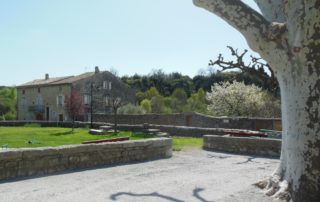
(34, 136)
(27, 137)
(180, 143)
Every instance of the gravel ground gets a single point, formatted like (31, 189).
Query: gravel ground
(191, 175)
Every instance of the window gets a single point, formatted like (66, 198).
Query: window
(60, 100)
(39, 90)
(107, 100)
(87, 99)
(39, 100)
(110, 85)
(23, 91)
(23, 102)
(105, 85)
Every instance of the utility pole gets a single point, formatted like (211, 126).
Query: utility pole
(91, 105)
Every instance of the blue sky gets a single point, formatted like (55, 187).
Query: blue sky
(69, 37)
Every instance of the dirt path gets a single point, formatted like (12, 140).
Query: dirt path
(192, 175)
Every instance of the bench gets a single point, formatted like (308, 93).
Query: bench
(96, 131)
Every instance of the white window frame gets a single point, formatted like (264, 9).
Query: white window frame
(105, 84)
(60, 100)
(87, 99)
(110, 85)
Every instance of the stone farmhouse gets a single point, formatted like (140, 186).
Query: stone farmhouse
(43, 99)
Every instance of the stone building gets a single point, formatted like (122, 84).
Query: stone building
(43, 99)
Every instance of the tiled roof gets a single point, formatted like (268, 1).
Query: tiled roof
(57, 80)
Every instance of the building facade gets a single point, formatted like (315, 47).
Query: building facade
(44, 99)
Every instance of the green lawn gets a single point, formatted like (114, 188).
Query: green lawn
(22, 137)
(18, 137)
(180, 143)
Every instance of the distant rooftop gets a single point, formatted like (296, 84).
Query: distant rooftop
(57, 80)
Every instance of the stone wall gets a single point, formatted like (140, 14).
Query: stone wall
(239, 145)
(41, 161)
(194, 120)
(184, 131)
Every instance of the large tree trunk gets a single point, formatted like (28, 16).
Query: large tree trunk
(298, 174)
(287, 36)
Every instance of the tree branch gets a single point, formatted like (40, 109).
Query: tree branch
(253, 26)
(255, 68)
(272, 10)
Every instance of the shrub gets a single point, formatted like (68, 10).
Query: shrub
(130, 109)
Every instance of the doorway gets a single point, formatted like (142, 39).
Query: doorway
(60, 117)
(47, 114)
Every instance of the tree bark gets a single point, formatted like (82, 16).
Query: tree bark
(289, 40)
(115, 114)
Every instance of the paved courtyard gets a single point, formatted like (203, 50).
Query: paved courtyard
(192, 175)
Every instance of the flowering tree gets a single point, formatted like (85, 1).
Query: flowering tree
(74, 105)
(287, 35)
(238, 99)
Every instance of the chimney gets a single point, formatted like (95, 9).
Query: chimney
(47, 76)
(96, 70)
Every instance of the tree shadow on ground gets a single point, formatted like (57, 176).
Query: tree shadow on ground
(62, 133)
(114, 197)
(217, 156)
(196, 194)
(249, 160)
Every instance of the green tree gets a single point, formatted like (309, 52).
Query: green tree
(8, 98)
(152, 92)
(146, 105)
(179, 100)
(197, 102)
(157, 104)
(130, 109)
(140, 96)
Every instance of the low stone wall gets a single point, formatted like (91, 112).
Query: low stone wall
(240, 145)
(194, 120)
(40, 161)
(182, 131)
(182, 119)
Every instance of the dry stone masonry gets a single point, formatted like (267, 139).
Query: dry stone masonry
(243, 145)
(41, 161)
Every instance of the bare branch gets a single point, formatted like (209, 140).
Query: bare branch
(256, 67)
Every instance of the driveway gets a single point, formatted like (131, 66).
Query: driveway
(191, 175)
